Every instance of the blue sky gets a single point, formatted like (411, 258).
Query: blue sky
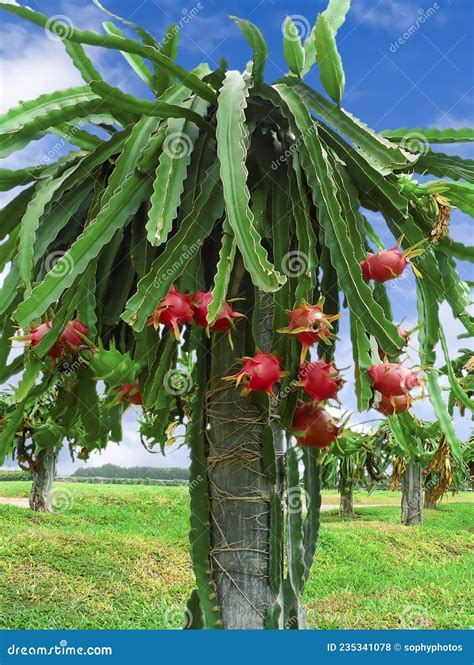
(391, 81)
(427, 80)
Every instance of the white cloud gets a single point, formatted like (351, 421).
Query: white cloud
(390, 14)
(451, 121)
(36, 65)
(83, 15)
(31, 65)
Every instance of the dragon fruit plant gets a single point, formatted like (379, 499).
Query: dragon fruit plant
(389, 264)
(157, 244)
(313, 426)
(72, 338)
(259, 373)
(309, 324)
(172, 311)
(320, 380)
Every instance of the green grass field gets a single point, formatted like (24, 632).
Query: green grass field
(117, 558)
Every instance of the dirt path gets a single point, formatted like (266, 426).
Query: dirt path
(23, 503)
(15, 501)
(329, 506)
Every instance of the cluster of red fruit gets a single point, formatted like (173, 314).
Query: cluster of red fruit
(71, 338)
(392, 380)
(309, 324)
(177, 309)
(312, 424)
(174, 311)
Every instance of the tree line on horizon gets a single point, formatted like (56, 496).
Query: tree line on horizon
(116, 471)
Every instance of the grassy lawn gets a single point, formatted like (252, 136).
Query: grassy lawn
(117, 558)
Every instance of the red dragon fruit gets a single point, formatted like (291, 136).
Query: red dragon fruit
(393, 379)
(320, 380)
(36, 334)
(313, 426)
(309, 324)
(258, 373)
(70, 339)
(173, 311)
(130, 392)
(73, 334)
(223, 323)
(389, 406)
(389, 264)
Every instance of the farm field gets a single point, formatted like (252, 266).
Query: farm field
(116, 558)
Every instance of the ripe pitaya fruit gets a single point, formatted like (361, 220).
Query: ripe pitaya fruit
(258, 373)
(71, 339)
(389, 406)
(389, 264)
(223, 323)
(309, 324)
(320, 380)
(392, 379)
(313, 426)
(36, 334)
(73, 334)
(173, 311)
(130, 392)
